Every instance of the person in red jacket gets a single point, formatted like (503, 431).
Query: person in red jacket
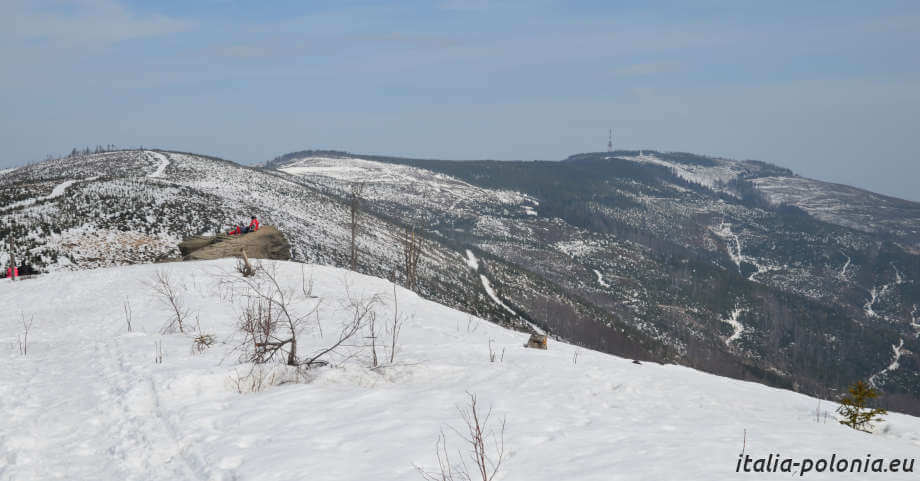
(253, 225)
(236, 230)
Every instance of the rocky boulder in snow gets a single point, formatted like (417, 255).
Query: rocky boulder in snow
(536, 341)
(265, 243)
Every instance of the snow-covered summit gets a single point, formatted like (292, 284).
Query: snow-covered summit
(89, 400)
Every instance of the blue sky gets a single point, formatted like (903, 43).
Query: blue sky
(827, 88)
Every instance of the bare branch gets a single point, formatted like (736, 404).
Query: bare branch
(395, 327)
(163, 287)
(24, 337)
(413, 244)
(485, 456)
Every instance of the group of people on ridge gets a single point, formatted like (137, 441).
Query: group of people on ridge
(239, 229)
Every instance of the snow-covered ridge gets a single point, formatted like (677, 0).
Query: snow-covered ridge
(715, 177)
(407, 184)
(843, 205)
(89, 401)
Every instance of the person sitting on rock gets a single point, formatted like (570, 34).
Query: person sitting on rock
(253, 225)
(236, 230)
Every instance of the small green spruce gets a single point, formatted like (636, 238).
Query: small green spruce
(854, 411)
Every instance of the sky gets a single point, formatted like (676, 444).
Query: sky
(830, 89)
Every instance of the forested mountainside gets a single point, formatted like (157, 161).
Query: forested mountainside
(737, 268)
(128, 207)
(741, 267)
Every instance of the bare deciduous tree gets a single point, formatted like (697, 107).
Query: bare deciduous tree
(354, 202)
(257, 323)
(255, 380)
(24, 337)
(362, 309)
(372, 327)
(270, 307)
(306, 284)
(395, 327)
(413, 245)
(128, 315)
(168, 293)
(271, 324)
(485, 448)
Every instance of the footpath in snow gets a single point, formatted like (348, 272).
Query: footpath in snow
(161, 167)
(56, 192)
(90, 401)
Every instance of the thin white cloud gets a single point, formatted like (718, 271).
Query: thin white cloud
(91, 23)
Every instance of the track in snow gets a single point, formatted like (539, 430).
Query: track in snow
(56, 192)
(161, 169)
(112, 427)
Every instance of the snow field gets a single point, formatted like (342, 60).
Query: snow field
(89, 402)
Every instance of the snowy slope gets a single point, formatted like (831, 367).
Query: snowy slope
(585, 238)
(406, 185)
(714, 176)
(844, 205)
(89, 402)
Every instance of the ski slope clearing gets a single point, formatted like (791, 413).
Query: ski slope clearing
(88, 400)
(714, 176)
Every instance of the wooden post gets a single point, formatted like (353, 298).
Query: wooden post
(246, 260)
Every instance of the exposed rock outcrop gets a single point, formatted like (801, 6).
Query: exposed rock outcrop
(265, 243)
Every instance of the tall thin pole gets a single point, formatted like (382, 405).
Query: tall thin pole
(12, 260)
(610, 141)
